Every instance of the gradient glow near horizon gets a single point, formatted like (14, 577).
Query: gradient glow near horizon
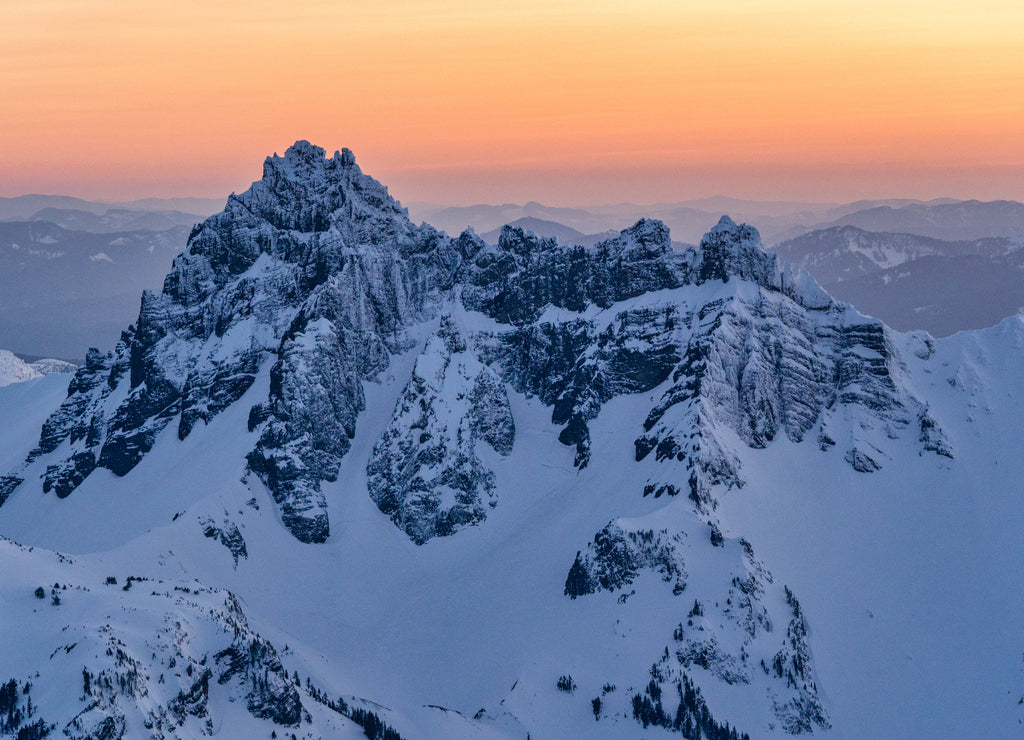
(460, 102)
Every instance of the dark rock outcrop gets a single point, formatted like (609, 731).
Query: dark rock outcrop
(615, 557)
(227, 534)
(424, 471)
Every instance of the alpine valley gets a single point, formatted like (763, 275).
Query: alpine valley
(348, 476)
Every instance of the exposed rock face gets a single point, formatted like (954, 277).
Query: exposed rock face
(514, 281)
(577, 365)
(253, 662)
(616, 556)
(763, 366)
(7, 485)
(730, 250)
(424, 472)
(227, 534)
(730, 630)
(774, 355)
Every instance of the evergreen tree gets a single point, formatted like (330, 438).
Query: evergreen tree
(578, 581)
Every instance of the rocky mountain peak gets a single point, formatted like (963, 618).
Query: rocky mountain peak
(647, 239)
(522, 242)
(304, 161)
(308, 192)
(649, 232)
(732, 249)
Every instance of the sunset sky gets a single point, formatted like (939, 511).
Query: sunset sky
(453, 101)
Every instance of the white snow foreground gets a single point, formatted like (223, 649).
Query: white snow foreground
(692, 493)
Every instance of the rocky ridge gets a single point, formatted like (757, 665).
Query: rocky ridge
(174, 652)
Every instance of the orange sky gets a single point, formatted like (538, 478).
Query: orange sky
(457, 101)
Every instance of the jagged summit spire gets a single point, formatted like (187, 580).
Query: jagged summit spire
(724, 223)
(304, 161)
(308, 192)
(736, 232)
(303, 154)
(735, 249)
(304, 149)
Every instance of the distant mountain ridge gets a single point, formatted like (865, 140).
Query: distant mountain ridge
(116, 219)
(71, 269)
(943, 218)
(956, 221)
(916, 282)
(844, 252)
(63, 290)
(25, 207)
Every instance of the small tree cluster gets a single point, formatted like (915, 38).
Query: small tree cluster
(692, 718)
(35, 731)
(11, 714)
(373, 726)
(578, 582)
(9, 710)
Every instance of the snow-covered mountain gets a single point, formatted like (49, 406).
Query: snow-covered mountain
(472, 490)
(13, 369)
(915, 282)
(30, 207)
(844, 253)
(63, 290)
(116, 220)
(965, 220)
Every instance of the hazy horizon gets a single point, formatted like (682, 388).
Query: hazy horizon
(525, 199)
(453, 102)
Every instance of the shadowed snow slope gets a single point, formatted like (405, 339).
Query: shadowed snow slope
(489, 490)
